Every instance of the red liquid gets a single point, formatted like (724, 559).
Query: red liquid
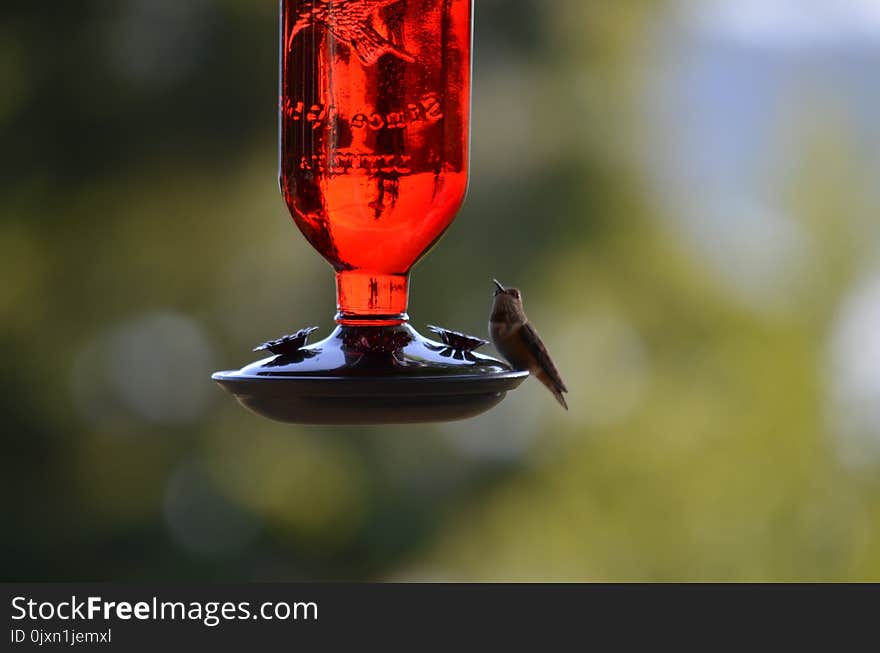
(375, 119)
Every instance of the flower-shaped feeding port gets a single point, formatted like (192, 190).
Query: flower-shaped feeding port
(287, 345)
(375, 134)
(458, 345)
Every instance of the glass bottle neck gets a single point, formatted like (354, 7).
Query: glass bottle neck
(371, 298)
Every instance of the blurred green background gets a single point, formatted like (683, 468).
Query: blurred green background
(686, 192)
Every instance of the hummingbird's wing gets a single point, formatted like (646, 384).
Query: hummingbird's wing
(308, 16)
(350, 21)
(547, 373)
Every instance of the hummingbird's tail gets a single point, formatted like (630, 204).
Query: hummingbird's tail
(370, 47)
(553, 386)
(561, 399)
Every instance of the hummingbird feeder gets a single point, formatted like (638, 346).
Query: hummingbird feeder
(375, 131)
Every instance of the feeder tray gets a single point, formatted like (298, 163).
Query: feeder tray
(372, 375)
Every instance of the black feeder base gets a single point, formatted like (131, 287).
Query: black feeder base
(372, 375)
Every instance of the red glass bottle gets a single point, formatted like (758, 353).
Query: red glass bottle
(375, 112)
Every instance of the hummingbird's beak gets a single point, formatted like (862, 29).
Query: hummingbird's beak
(498, 285)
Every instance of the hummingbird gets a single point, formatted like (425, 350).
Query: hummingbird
(351, 22)
(516, 339)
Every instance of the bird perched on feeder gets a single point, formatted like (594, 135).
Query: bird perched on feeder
(351, 22)
(516, 339)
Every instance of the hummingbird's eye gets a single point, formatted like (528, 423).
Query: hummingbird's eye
(515, 294)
